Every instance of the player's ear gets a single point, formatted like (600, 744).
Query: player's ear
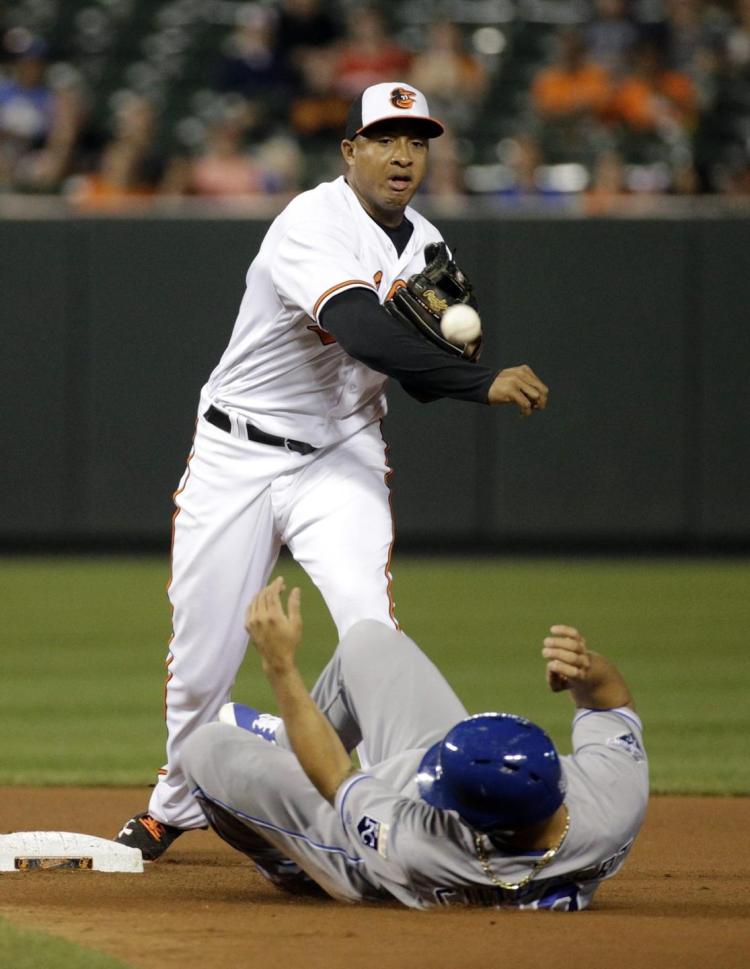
(347, 150)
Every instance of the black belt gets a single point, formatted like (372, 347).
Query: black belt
(221, 420)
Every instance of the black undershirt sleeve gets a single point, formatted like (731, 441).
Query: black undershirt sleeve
(370, 334)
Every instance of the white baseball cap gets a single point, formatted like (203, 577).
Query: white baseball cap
(390, 101)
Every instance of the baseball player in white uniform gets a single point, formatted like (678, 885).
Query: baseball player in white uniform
(288, 447)
(454, 810)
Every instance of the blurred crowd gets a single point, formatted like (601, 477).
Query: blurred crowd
(632, 99)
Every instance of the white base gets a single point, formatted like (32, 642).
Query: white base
(35, 850)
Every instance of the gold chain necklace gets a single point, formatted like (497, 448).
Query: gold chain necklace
(543, 861)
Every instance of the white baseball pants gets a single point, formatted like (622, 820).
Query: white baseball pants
(237, 504)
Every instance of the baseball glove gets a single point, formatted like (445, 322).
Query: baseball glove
(422, 301)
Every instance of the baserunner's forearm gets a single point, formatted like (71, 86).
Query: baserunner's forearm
(604, 687)
(315, 743)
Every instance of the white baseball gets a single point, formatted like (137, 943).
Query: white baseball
(461, 324)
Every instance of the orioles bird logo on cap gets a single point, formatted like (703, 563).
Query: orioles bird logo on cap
(402, 97)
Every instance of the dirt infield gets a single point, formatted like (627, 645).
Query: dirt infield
(681, 901)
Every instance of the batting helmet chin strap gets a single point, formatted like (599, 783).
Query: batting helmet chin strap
(497, 771)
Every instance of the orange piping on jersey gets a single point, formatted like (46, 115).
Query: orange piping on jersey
(395, 287)
(389, 578)
(168, 677)
(377, 277)
(326, 338)
(348, 282)
(177, 493)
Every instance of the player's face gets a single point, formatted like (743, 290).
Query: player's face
(386, 168)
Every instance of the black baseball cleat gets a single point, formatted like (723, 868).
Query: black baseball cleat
(152, 837)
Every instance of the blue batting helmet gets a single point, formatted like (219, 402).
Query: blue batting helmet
(496, 770)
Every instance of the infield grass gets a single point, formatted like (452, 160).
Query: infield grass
(84, 641)
(24, 949)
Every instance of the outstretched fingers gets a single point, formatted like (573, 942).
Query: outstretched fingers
(265, 607)
(251, 613)
(294, 605)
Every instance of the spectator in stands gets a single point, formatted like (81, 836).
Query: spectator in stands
(320, 109)
(38, 124)
(252, 64)
(688, 31)
(738, 57)
(130, 169)
(570, 97)
(733, 177)
(738, 40)
(282, 163)
(652, 97)
(303, 26)
(610, 36)
(523, 158)
(368, 55)
(225, 167)
(684, 176)
(453, 80)
(720, 142)
(608, 185)
(445, 177)
(306, 40)
(573, 87)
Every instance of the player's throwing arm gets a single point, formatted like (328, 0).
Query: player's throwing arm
(439, 303)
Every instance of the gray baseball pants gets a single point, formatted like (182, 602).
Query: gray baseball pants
(378, 687)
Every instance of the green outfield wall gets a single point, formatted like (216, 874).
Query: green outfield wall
(641, 328)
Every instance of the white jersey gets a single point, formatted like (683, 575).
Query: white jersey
(425, 857)
(281, 370)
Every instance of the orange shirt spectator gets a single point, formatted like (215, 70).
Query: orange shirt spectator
(652, 97)
(573, 86)
(559, 93)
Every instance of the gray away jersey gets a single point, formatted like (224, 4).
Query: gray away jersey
(425, 857)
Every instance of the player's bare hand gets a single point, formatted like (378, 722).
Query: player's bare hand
(276, 633)
(568, 659)
(520, 386)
